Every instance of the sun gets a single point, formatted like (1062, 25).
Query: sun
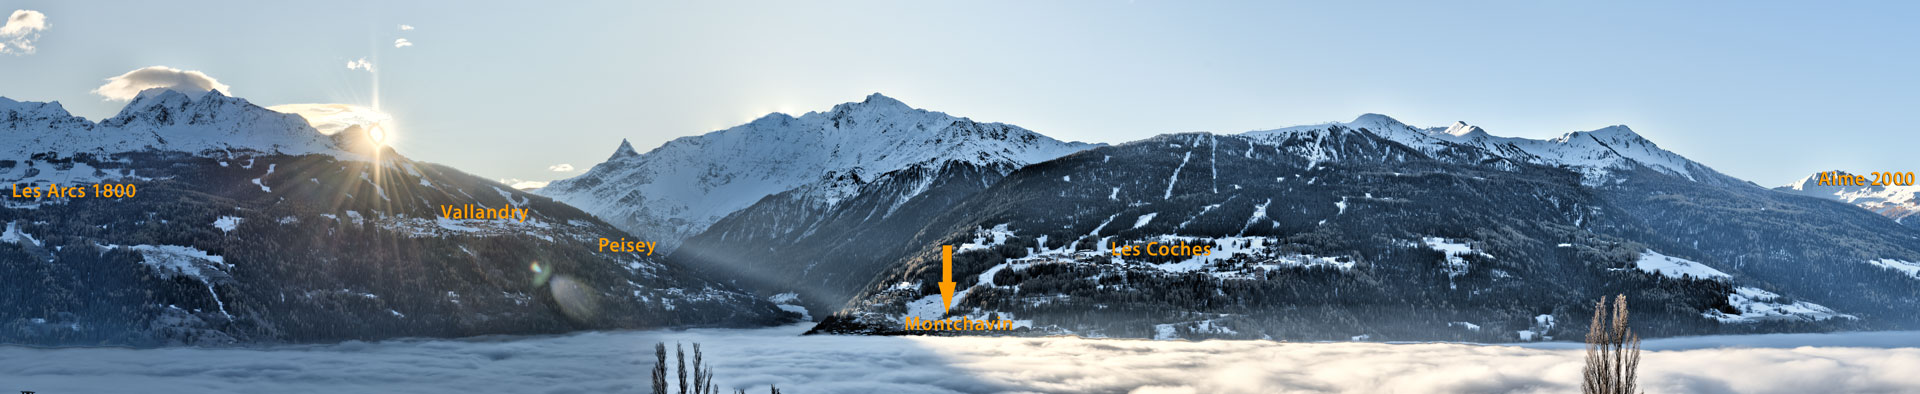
(377, 134)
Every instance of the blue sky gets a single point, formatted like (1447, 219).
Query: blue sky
(1765, 91)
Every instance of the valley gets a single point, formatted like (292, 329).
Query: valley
(1365, 229)
(1370, 229)
(1138, 197)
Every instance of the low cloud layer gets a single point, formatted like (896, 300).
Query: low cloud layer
(753, 359)
(126, 86)
(21, 30)
(562, 167)
(333, 118)
(1080, 365)
(523, 184)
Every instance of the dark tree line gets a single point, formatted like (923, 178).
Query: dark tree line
(702, 373)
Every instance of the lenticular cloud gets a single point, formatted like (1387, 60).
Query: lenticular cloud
(126, 86)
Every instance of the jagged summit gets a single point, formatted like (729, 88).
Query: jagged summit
(1464, 130)
(625, 150)
(1596, 154)
(875, 106)
(27, 114)
(1900, 203)
(1852, 194)
(881, 100)
(166, 106)
(686, 184)
(160, 93)
(31, 108)
(163, 120)
(1813, 181)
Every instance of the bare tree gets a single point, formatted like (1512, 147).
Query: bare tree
(660, 368)
(680, 353)
(1613, 352)
(702, 375)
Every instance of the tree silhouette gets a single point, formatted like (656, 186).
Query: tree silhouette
(680, 353)
(660, 368)
(1613, 352)
(702, 373)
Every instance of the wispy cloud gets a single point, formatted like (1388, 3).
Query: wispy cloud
(401, 43)
(126, 86)
(562, 167)
(360, 64)
(406, 27)
(21, 29)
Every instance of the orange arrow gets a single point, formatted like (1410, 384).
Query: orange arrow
(946, 277)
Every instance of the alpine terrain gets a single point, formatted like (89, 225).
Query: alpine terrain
(1897, 202)
(1369, 229)
(796, 204)
(246, 225)
(1373, 229)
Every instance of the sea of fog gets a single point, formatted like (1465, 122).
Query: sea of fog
(618, 362)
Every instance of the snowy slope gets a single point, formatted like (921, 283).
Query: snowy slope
(1674, 267)
(685, 185)
(1381, 125)
(1896, 202)
(1599, 155)
(1756, 305)
(159, 120)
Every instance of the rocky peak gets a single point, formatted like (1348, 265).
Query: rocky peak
(625, 150)
(26, 114)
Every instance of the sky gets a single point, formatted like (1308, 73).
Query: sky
(1766, 91)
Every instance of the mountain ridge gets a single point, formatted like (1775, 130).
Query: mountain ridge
(251, 227)
(1899, 203)
(676, 190)
(163, 120)
(1352, 210)
(1597, 154)
(789, 242)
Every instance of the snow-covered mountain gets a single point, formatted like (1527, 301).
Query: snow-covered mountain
(1380, 125)
(680, 188)
(1600, 156)
(249, 226)
(1900, 203)
(158, 119)
(1375, 229)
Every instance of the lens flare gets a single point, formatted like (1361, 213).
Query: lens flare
(540, 273)
(577, 300)
(378, 134)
